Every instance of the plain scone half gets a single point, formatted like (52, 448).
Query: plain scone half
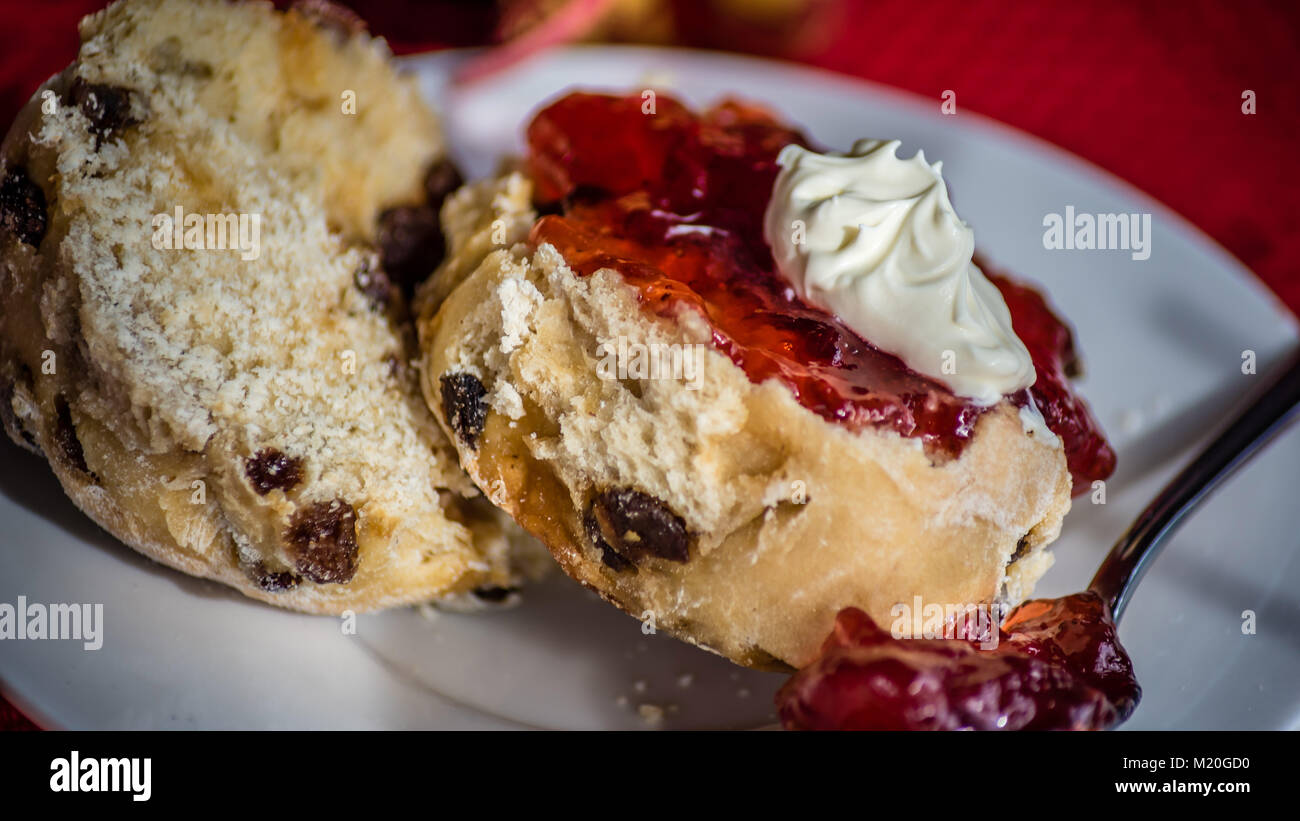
(729, 515)
(247, 414)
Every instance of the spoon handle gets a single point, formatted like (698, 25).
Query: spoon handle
(1123, 567)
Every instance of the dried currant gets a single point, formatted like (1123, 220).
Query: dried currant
(22, 207)
(322, 542)
(272, 469)
(443, 178)
(610, 559)
(107, 107)
(1022, 548)
(410, 244)
(636, 525)
(372, 281)
(65, 436)
(273, 581)
(463, 405)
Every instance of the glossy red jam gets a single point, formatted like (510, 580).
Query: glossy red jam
(674, 201)
(1051, 345)
(1058, 666)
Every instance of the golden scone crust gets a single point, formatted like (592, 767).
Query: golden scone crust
(246, 416)
(736, 518)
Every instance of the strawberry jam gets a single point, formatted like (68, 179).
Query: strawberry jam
(674, 202)
(1058, 666)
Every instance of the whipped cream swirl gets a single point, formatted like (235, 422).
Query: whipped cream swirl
(874, 240)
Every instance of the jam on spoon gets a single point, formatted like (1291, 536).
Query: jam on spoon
(674, 201)
(1059, 664)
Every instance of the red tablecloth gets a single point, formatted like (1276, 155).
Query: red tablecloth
(1151, 91)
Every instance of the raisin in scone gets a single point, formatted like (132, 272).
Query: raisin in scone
(237, 400)
(634, 382)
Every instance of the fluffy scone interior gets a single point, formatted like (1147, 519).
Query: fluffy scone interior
(786, 518)
(250, 420)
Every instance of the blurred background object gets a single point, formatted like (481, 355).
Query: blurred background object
(785, 28)
(788, 28)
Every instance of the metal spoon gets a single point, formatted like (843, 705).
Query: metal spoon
(1133, 554)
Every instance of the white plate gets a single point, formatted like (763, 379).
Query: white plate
(1163, 341)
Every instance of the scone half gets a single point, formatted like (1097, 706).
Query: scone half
(239, 405)
(709, 506)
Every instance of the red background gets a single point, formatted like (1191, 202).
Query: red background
(1151, 91)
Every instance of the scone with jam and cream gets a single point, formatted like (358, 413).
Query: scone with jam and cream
(736, 384)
